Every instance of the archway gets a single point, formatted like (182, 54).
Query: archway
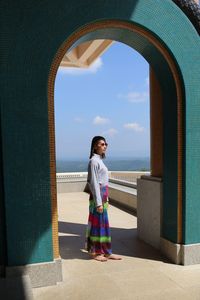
(167, 71)
(165, 66)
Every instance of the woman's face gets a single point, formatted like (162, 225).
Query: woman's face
(101, 147)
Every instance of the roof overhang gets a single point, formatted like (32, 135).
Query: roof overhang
(85, 54)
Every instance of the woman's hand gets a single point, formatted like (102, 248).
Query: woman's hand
(100, 209)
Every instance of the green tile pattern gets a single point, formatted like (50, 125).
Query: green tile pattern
(31, 34)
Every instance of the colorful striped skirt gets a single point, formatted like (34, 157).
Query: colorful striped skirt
(98, 238)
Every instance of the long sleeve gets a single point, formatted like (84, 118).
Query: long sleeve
(93, 181)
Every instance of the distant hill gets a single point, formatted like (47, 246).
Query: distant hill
(126, 164)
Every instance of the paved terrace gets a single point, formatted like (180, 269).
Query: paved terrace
(142, 274)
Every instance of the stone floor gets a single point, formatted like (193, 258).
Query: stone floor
(142, 273)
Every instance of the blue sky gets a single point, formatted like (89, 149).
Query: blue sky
(110, 99)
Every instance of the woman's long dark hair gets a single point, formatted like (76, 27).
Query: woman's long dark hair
(95, 141)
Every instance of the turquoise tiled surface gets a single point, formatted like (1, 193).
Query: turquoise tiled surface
(31, 34)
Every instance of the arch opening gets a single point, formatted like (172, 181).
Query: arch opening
(120, 100)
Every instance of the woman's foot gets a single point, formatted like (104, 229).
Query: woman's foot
(99, 257)
(113, 256)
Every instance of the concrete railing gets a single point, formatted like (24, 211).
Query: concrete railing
(114, 176)
(122, 186)
(71, 176)
(127, 176)
(71, 182)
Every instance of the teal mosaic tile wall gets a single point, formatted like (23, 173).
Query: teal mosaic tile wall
(31, 34)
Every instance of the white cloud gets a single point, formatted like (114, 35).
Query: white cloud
(110, 132)
(100, 121)
(134, 126)
(135, 97)
(97, 64)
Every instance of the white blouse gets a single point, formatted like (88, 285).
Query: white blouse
(97, 174)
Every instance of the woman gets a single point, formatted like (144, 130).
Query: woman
(98, 239)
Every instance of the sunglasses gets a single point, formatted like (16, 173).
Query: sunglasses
(103, 144)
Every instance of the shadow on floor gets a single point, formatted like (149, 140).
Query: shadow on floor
(124, 242)
(16, 288)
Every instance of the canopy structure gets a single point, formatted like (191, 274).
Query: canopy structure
(85, 54)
